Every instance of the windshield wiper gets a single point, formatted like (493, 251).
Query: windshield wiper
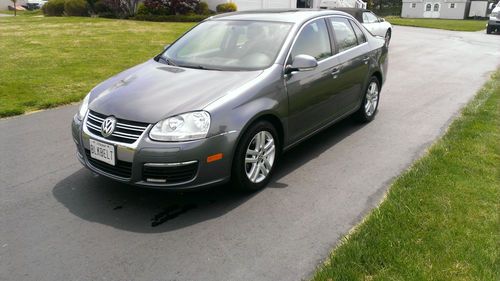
(200, 67)
(167, 61)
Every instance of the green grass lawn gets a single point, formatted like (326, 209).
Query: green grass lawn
(45, 62)
(441, 219)
(456, 25)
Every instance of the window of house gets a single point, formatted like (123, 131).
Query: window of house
(452, 5)
(428, 7)
(436, 7)
(346, 38)
(313, 40)
(413, 5)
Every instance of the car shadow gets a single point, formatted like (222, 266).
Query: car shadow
(101, 200)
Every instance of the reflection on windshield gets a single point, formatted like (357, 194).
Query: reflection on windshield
(229, 45)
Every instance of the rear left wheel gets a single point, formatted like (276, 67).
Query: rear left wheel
(256, 157)
(369, 105)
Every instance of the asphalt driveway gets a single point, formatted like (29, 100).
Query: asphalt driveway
(59, 222)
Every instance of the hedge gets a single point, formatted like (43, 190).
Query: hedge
(171, 18)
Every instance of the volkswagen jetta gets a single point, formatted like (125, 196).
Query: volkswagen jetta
(225, 99)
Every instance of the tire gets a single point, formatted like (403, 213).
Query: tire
(388, 37)
(369, 104)
(489, 30)
(247, 175)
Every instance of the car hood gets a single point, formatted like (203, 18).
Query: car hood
(153, 91)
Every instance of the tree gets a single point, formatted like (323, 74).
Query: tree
(15, 7)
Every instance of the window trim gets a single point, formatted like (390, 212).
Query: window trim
(355, 34)
(334, 55)
(296, 36)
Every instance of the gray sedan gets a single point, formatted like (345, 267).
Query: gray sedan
(224, 100)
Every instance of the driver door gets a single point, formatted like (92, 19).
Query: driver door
(311, 94)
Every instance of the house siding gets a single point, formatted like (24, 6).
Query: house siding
(445, 10)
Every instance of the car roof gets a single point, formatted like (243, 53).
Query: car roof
(278, 15)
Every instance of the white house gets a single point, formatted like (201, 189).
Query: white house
(443, 9)
(284, 4)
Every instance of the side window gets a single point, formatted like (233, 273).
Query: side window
(359, 34)
(313, 40)
(346, 38)
(369, 17)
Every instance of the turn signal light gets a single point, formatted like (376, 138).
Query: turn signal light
(214, 157)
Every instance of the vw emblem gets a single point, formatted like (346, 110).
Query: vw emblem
(108, 126)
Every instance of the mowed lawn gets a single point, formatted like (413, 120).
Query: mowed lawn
(45, 62)
(441, 219)
(455, 25)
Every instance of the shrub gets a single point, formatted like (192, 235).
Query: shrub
(76, 8)
(171, 18)
(100, 7)
(53, 8)
(182, 7)
(202, 8)
(226, 7)
(153, 7)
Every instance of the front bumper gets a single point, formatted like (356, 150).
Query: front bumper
(145, 152)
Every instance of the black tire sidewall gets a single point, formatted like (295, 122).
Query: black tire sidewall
(239, 178)
(361, 114)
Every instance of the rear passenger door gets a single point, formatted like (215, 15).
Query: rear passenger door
(353, 57)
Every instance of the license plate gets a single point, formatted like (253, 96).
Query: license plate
(102, 151)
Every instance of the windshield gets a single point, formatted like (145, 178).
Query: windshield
(229, 45)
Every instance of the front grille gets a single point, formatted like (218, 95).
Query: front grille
(121, 169)
(125, 131)
(169, 173)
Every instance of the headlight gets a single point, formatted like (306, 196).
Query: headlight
(83, 107)
(183, 127)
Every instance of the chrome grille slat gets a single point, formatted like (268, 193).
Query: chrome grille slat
(125, 131)
(130, 129)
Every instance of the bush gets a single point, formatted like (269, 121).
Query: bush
(53, 8)
(100, 7)
(171, 18)
(182, 7)
(226, 7)
(76, 8)
(153, 7)
(202, 8)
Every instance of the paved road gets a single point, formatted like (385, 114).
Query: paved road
(59, 222)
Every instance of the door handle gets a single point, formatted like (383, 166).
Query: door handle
(366, 59)
(335, 71)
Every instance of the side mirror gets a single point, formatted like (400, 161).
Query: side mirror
(302, 63)
(381, 19)
(166, 46)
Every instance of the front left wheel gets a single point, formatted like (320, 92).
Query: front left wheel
(256, 156)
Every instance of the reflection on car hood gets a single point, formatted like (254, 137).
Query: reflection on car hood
(153, 91)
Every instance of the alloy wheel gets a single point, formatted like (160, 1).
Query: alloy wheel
(371, 100)
(260, 156)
